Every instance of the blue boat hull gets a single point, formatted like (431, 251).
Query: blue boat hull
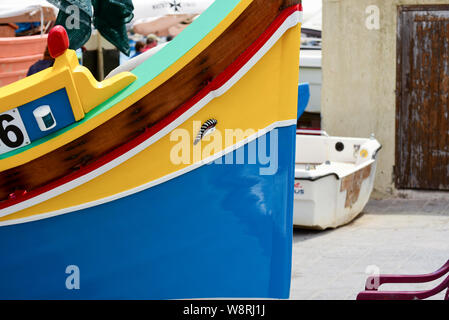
(218, 231)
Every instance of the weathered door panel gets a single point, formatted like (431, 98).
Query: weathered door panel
(422, 129)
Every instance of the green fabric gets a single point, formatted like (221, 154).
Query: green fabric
(109, 18)
(78, 26)
(151, 68)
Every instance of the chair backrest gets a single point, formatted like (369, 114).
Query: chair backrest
(371, 293)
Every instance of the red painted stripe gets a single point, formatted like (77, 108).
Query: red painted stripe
(215, 84)
(243, 59)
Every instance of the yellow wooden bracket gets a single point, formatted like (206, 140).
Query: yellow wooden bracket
(83, 90)
(91, 92)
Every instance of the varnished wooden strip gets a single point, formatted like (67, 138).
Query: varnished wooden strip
(152, 108)
(422, 152)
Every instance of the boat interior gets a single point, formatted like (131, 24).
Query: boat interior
(317, 156)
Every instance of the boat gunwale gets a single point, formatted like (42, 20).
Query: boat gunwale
(336, 175)
(22, 40)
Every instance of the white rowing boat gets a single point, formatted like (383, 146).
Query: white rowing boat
(334, 178)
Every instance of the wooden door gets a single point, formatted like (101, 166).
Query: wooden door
(422, 115)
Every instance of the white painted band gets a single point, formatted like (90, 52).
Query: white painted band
(153, 183)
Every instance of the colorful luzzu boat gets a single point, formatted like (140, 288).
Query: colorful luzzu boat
(93, 203)
(334, 178)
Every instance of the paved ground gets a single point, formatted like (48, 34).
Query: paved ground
(399, 236)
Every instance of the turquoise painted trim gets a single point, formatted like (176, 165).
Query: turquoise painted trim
(158, 63)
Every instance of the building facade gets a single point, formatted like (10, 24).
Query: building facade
(385, 71)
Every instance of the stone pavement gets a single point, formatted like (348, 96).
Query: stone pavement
(397, 236)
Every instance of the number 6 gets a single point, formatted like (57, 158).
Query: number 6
(4, 137)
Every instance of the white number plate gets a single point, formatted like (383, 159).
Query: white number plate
(13, 134)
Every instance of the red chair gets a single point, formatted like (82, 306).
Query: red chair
(373, 293)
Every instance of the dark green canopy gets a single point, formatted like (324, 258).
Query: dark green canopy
(109, 18)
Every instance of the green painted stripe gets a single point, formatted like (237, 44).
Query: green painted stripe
(158, 63)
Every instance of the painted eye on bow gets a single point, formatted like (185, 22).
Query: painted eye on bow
(207, 128)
